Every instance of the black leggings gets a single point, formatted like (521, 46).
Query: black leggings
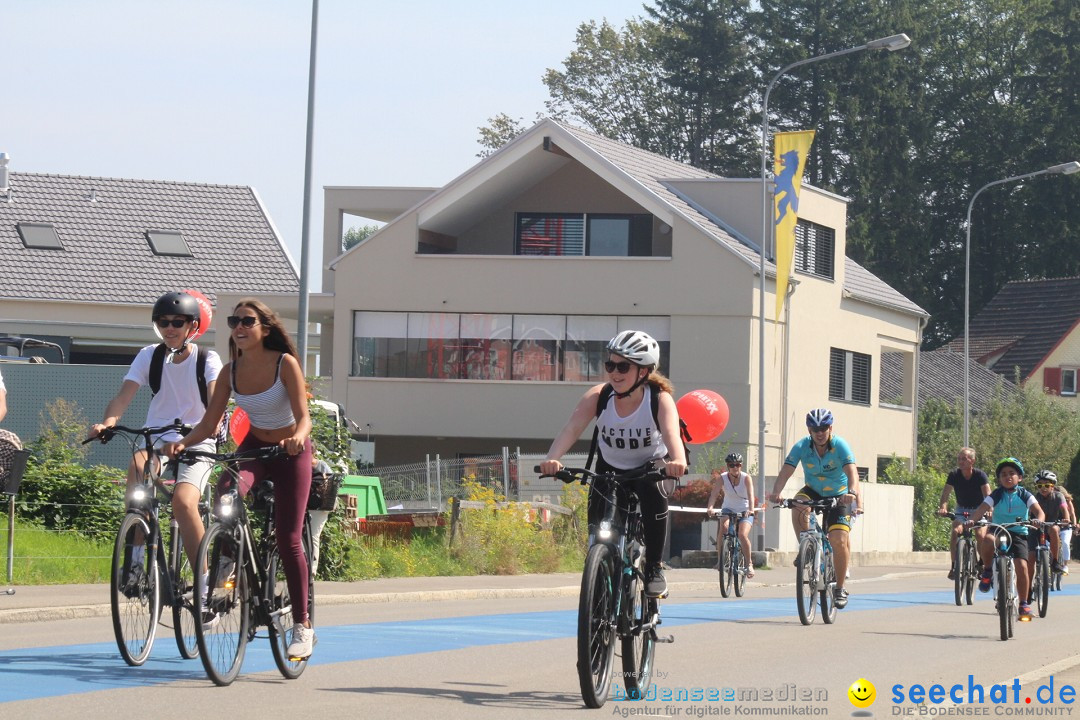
(654, 512)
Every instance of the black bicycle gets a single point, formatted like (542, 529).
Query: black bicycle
(145, 576)
(968, 563)
(732, 566)
(613, 604)
(1043, 578)
(247, 586)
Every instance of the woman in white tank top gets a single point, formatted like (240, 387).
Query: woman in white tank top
(736, 490)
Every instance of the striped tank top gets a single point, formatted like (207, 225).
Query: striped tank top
(270, 409)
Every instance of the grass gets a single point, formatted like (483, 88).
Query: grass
(45, 557)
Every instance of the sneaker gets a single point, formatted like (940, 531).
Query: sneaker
(1025, 612)
(952, 573)
(655, 584)
(985, 580)
(210, 619)
(134, 581)
(750, 573)
(303, 640)
(226, 573)
(1056, 566)
(840, 598)
(1065, 569)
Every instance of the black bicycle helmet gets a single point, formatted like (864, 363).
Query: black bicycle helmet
(176, 303)
(733, 459)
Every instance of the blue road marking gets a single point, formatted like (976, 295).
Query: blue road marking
(31, 673)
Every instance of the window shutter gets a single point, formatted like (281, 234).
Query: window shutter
(1052, 381)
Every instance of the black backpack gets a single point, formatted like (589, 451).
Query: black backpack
(654, 401)
(157, 365)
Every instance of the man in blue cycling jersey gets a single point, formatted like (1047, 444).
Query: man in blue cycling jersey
(829, 470)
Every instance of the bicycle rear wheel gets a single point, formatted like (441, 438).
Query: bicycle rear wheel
(960, 572)
(828, 600)
(638, 645)
(225, 612)
(741, 569)
(974, 569)
(596, 628)
(806, 581)
(183, 606)
(282, 616)
(726, 567)
(1042, 580)
(135, 595)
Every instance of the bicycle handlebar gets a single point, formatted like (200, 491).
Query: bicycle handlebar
(584, 475)
(270, 452)
(111, 431)
(817, 505)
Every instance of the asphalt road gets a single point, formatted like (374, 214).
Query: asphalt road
(514, 658)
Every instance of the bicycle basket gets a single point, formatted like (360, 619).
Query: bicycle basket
(12, 462)
(324, 491)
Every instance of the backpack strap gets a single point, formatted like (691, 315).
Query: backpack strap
(200, 375)
(157, 362)
(601, 403)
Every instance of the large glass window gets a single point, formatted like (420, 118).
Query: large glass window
(584, 234)
(492, 346)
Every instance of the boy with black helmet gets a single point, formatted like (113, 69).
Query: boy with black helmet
(181, 376)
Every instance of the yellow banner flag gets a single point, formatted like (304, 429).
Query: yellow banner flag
(789, 161)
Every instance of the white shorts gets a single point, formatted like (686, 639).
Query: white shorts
(198, 473)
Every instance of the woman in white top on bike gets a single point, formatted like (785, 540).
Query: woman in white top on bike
(736, 492)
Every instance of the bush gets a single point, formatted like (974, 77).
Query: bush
(929, 531)
(503, 540)
(694, 494)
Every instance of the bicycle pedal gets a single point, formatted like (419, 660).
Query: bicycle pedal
(665, 638)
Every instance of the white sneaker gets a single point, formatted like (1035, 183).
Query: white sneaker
(303, 640)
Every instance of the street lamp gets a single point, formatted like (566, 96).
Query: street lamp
(891, 43)
(1063, 169)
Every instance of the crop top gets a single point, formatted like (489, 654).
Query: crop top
(270, 409)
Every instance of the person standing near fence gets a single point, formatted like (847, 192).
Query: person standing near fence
(265, 378)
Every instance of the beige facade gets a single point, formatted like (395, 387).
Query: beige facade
(1064, 358)
(453, 251)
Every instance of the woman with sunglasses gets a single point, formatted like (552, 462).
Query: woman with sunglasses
(630, 437)
(178, 395)
(265, 378)
(735, 489)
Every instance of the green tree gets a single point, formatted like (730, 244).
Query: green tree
(500, 130)
(356, 235)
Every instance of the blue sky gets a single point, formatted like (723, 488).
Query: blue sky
(216, 91)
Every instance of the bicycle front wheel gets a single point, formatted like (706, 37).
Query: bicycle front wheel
(596, 625)
(741, 569)
(974, 569)
(1004, 602)
(960, 572)
(638, 644)
(1042, 580)
(806, 581)
(223, 601)
(183, 609)
(828, 600)
(135, 596)
(726, 567)
(282, 615)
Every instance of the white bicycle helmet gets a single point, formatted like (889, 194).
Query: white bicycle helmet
(636, 346)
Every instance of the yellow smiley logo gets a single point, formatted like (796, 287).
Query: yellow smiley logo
(862, 693)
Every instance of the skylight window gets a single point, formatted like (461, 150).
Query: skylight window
(41, 236)
(168, 242)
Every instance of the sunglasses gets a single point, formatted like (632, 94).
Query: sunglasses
(1044, 485)
(623, 367)
(819, 428)
(175, 322)
(734, 465)
(248, 321)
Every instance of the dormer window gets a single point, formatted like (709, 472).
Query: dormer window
(815, 249)
(40, 236)
(611, 235)
(168, 242)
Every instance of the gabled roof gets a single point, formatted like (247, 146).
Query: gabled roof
(941, 376)
(102, 224)
(1025, 321)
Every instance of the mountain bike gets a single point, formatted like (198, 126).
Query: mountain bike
(613, 604)
(815, 569)
(247, 586)
(968, 563)
(1044, 577)
(1006, 599)
(732, 565)
(145, 576)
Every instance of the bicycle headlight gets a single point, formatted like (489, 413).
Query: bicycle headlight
(225, 508)
(138, 494)
(1003, 542)
(605, 530)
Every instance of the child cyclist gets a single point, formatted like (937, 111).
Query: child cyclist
(1009, 503)
(176, 319)
(265, 378)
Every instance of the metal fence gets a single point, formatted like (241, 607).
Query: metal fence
(430, 484)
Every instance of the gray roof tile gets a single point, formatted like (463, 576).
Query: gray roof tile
(941, 376)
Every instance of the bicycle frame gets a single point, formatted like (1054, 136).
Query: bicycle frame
(816, 578)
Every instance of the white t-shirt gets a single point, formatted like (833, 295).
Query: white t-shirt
(178, 396)
(2, 383)
(630, 442)
(736, 499)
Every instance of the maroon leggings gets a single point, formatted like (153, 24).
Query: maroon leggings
(292, 482)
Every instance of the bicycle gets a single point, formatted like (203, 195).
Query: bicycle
(815, 568)
(248, 586)
(732, 564)
(968, 564)
(1063, 563)
(613, 603)
(1043, 579)
(1006, 598)
(139, 589)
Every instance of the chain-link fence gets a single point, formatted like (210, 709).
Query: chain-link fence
(430, 484)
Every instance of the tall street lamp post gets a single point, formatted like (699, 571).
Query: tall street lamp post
(1063, 169)
(891, 43)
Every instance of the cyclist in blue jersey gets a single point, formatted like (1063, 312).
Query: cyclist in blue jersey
(1009, 503)
(829, 470)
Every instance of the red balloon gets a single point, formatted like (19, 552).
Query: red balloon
(239, 424)
(206, 311)
(705, 413)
